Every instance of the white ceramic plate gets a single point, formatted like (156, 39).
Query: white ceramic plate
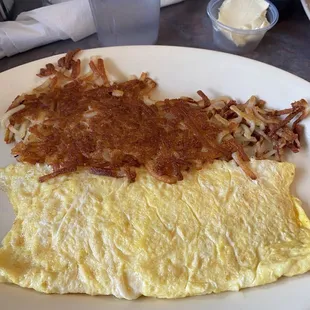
(179, 71)
(306, 5)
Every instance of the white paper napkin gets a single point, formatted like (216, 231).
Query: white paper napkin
(49, 24)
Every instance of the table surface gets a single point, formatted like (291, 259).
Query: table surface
(286, 46)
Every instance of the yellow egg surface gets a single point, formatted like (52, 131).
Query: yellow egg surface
(214, 231)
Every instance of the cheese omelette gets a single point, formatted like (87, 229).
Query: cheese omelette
(215, 231)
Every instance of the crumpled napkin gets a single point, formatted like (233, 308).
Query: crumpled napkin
(49, 24)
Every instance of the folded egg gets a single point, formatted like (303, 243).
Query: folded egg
(214, 231)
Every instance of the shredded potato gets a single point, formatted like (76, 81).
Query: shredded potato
(9, 113)
(75, 120)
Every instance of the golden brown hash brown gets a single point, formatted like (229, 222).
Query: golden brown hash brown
(75, 120)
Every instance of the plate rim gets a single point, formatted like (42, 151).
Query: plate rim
(193, 49)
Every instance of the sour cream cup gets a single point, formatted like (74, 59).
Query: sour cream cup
(238, 41)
